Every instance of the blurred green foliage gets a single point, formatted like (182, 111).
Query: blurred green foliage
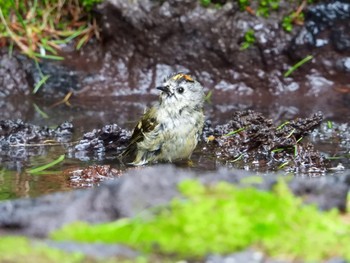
(222, 219)
(88, 4)
(20, 249)
(38, 28)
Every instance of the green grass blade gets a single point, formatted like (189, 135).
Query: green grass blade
(237, 159)
(297, 65)
(282, 125)
(278, 150)
(48, 56)
(42, 113)
(71, 37)
(208, 97)
(46, 166)
(282, 165)
(291, 133)
(234, 132)
(11, 48)
(40, 83)
(82, 41)
(329, 124)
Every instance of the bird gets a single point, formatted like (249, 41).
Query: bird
(169, 130)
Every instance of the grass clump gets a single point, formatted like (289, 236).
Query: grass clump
(249, 39)
(223, 219)
(39, 28)
(20, 249)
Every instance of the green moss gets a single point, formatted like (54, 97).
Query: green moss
(19, 249)
(88, 4)
(264, 7)
(267, 6)
(212, 3)
(205, 3)
(223, 219)
(249, 39)
(290, 20)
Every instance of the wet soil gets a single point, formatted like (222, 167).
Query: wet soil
(253, 141)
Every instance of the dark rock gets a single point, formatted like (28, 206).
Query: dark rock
(19, 75)
(340, 37)
(344, 65)
(61, 81)
(325, 35)
(336, 260)
(250, 256)
(40, 216)
(138, 190)
(95, 250)
(160, 182)
(13, 77)
(326, 192)
(322, 16)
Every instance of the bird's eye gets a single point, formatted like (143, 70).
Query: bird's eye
(180, 90)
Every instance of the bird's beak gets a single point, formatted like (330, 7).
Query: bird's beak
(164, 89)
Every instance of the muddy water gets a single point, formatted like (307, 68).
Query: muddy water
(89, 114)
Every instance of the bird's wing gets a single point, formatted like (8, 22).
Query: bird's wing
(147, 124)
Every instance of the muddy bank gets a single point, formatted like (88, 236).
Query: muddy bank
(144, 41)
(162, 37)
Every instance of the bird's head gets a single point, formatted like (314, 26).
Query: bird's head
(180, 91)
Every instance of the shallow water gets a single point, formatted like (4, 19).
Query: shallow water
(92, 113)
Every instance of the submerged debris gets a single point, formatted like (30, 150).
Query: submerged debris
(251, 140)
(17, 132)
(92, 175)
(20, 140)
(109, 138)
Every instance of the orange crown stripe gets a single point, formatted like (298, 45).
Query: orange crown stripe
(186, 77)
